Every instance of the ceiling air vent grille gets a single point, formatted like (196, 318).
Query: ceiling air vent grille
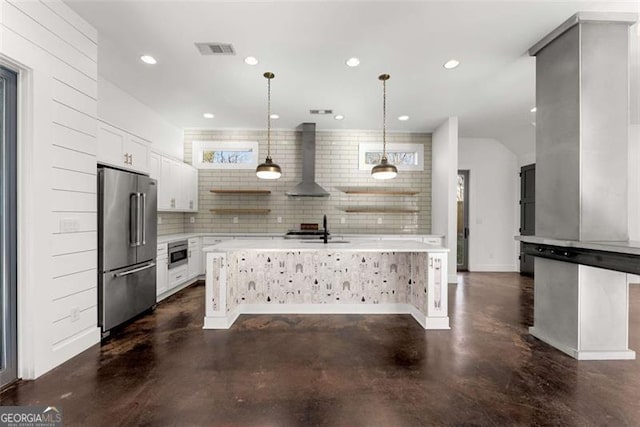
(320, 111)
(216, 48)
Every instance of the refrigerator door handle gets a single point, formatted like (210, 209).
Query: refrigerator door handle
(133, 219)
(143, 218)
(135, 270)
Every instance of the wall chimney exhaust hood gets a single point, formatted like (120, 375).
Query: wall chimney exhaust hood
(308, 187)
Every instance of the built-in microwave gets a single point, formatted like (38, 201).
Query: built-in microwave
(178, 253)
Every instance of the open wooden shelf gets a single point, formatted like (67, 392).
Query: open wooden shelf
(378, 209)
(239, 191)
(385, 191)
(231, 211)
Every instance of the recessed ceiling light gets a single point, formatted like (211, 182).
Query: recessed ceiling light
(451, 64)
(403, 118)
(534, 109)
(338, 117)
(148, 59)
(274, 116)
(208, 115)
(353, 62)
(251, 60)
(533, 124)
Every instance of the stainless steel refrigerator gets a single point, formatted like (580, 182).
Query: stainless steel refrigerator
(127, 244)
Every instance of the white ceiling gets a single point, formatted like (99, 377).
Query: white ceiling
(306, 44)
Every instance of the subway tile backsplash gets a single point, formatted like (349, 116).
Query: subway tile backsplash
(336, 168)
(170, 223)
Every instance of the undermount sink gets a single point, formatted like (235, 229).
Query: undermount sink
(328, 243)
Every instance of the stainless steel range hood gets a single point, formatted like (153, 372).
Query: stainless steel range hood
(308, 187)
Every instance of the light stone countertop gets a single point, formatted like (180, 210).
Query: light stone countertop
(283, 245)
(167, 238)
(624, 247)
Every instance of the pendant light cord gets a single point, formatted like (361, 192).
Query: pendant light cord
(384, 119)
(268, 117)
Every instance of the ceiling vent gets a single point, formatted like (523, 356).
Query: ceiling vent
(216, 48)
(320, 111)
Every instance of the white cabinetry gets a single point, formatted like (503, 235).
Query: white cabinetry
(177, 185)
(192, 190)
(154, 165)
(177, 276)
(162, 282)
(194, 265)
(122, 149)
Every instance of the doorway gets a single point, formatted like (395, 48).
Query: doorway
(8, 225)
(527, 214)
(463, 220)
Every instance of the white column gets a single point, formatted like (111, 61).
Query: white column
(581, 310)
(444, 182)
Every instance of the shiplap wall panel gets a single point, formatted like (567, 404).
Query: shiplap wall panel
(71, 97)
(71, 201)
(58, 52)
(74, 119)
(15, 45)
(63, 265)
(81, 301)
(30, 29)
(58, 26)
(62, 179)
(68, 243)
(66, 328)
(73, 19)
(85, 221)
(75, 78)
(74, 140)
(65, 158)
(74, 283)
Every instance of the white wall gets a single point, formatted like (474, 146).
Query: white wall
(444, 181)
(493, 204)
(55, 53)
(634, 189)
(123, 111)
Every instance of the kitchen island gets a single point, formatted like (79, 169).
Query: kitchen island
(298, 276)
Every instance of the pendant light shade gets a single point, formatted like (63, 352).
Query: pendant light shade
(384, 169)
(268, 169)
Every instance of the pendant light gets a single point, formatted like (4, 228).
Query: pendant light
(268, 169)
(384, 169)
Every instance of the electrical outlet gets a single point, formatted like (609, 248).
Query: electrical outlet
(379, 220)
(69, 225)
(235, 219)
(75, 314)
(159, 220)
(279, 220)
(343, 220)
(192, 220)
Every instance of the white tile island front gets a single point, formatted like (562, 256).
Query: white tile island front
(293, 276)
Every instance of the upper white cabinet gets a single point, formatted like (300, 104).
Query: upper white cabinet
(122, 149)
(192, 191)
(177, 184)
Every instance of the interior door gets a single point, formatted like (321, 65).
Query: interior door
(463, 221)
(527, 213)
(8, 226)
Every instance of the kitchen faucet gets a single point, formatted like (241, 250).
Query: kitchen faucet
(325, 235)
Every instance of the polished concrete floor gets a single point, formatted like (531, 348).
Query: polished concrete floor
(343, 370)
